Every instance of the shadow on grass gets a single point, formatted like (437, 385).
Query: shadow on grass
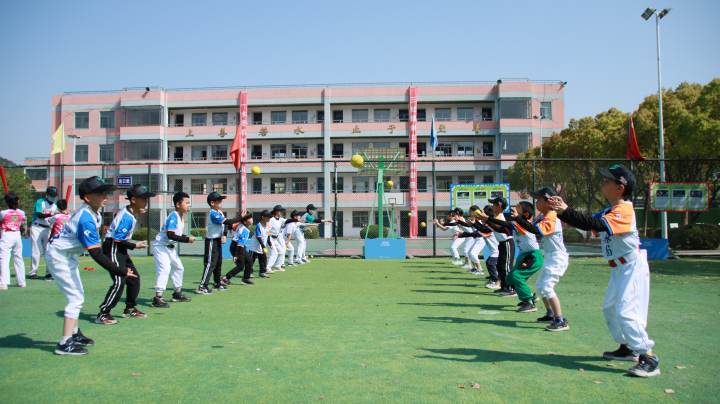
(449, 278)
(461, 292)
(82, 317)
(462, 285)
(705, 268)
(463, 320)
(23, 342)
(571, 362)
(468, 305)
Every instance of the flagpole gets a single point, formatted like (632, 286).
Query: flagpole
(433, 142)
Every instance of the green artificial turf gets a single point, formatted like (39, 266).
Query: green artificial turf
(343, 330)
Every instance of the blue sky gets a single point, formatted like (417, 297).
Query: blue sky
(603, 49)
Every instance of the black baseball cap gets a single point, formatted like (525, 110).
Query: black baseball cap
(278, 208)
(94, 185)
(619, 174)
(215, 196)
(295, 213)
(544, 192)
(51, 191)
(502, 201)
(310, 207)
(139, 191)
(265, 213)
(11, 198)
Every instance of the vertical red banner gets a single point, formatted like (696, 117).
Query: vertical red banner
(412, 107)
(243, 149)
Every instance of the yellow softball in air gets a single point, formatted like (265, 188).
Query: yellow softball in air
(255, 170)
(390, 184)
(357, 161)
(409, 213)
(423, 225)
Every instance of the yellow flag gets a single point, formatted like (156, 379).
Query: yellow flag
(58, 140)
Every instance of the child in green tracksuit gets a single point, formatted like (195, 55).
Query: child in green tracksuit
(530, 259)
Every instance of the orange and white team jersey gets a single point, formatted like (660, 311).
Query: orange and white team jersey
(525, 240)
(550, 227)
(621, 237)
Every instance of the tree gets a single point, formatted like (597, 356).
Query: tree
(19, 183)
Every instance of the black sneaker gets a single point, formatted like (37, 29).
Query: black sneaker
(133, 312)
(558, 326)
(623, 353)
(263, 275)
(220, 287)
(160, 303)
(248, 282)
(508, 293)
(526, 307)
(545, 319)
(203, 290)
(105, 319)
(34, 276)
(81, 339)
(70, 347)
(179, 297)
(48, 277)
(647, 366)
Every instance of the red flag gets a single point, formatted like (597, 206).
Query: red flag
(235, 147)
(632, 151)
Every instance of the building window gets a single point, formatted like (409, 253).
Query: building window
(381, 115)
(337, 150)
(515, 144)
(546, 110)
(487, 148)
(486, 114)
(465, 114)
(82, 120)
(404, 183)
(422, 184)
(466, 179)
(514, 109)
(219, 151)
(257, 118)
(359, 115)
(299, 185)
(107, 119)
(421, 115)
(381, 145)
(180, 120)
(299, 117)
(107, 153)
(442, 183)
(179, 153)
(338, 116)
(488, 178)
(257, 186)
(278, 117)
(465, 149)
(403, 115)
(320, 150)
(219, 185)
(278, 151)
(198, 186)
(277, 185)
(256, 152)
(358, 146)
(199, 153)
(199, 119)
(299, 150)
(360, 219)
(320, 185)
(153, 183)
(442, 114)
(178, 185)
(339, 185)
(145, 150)
(219, 118)
(444, 149)
(320, 117)
(361, 184)
(37, 174)
(142, 117)
(422, 149)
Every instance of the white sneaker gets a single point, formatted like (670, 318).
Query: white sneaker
(466, 266)
(492, 285)
(3, 287)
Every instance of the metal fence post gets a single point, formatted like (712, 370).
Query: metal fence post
(147, 214)
(434, 212)
(335, 223)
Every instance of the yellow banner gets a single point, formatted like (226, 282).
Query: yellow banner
(58, 140)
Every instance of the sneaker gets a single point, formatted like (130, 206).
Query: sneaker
(70, 347)
(623, 353)
(305, 260)
(475, 272)
(48, 277)
(105, 319)
(499, 290)
(203, 290)
(290, 264)
(81, 339)
(221, 287)
(526, 307)
(647, 366)
(179, 297)
(133, 312)
(558, 326)
(269, 271)
(225, 281)
(492, 285)
(545, 319)
(33, 276)
(159, 302)
(247, 282)
(508, 293)
(278, 269)
(264, 275)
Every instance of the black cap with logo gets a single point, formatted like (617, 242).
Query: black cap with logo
(51, 192)
(94, 185)
(139, 191)
(499, 200)
(619, 174)
(544, 192)
(215, 196)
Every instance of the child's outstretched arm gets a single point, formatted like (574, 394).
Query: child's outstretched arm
(583, 221)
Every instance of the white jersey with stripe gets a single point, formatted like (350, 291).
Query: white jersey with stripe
(550, 227)
(621, 237)
(80, 232)
(173, 223)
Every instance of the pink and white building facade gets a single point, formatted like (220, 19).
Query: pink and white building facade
(300, 136)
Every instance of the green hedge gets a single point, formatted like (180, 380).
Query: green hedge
(571, 235)
(141, 234)
(694, 237)
(372, 231)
